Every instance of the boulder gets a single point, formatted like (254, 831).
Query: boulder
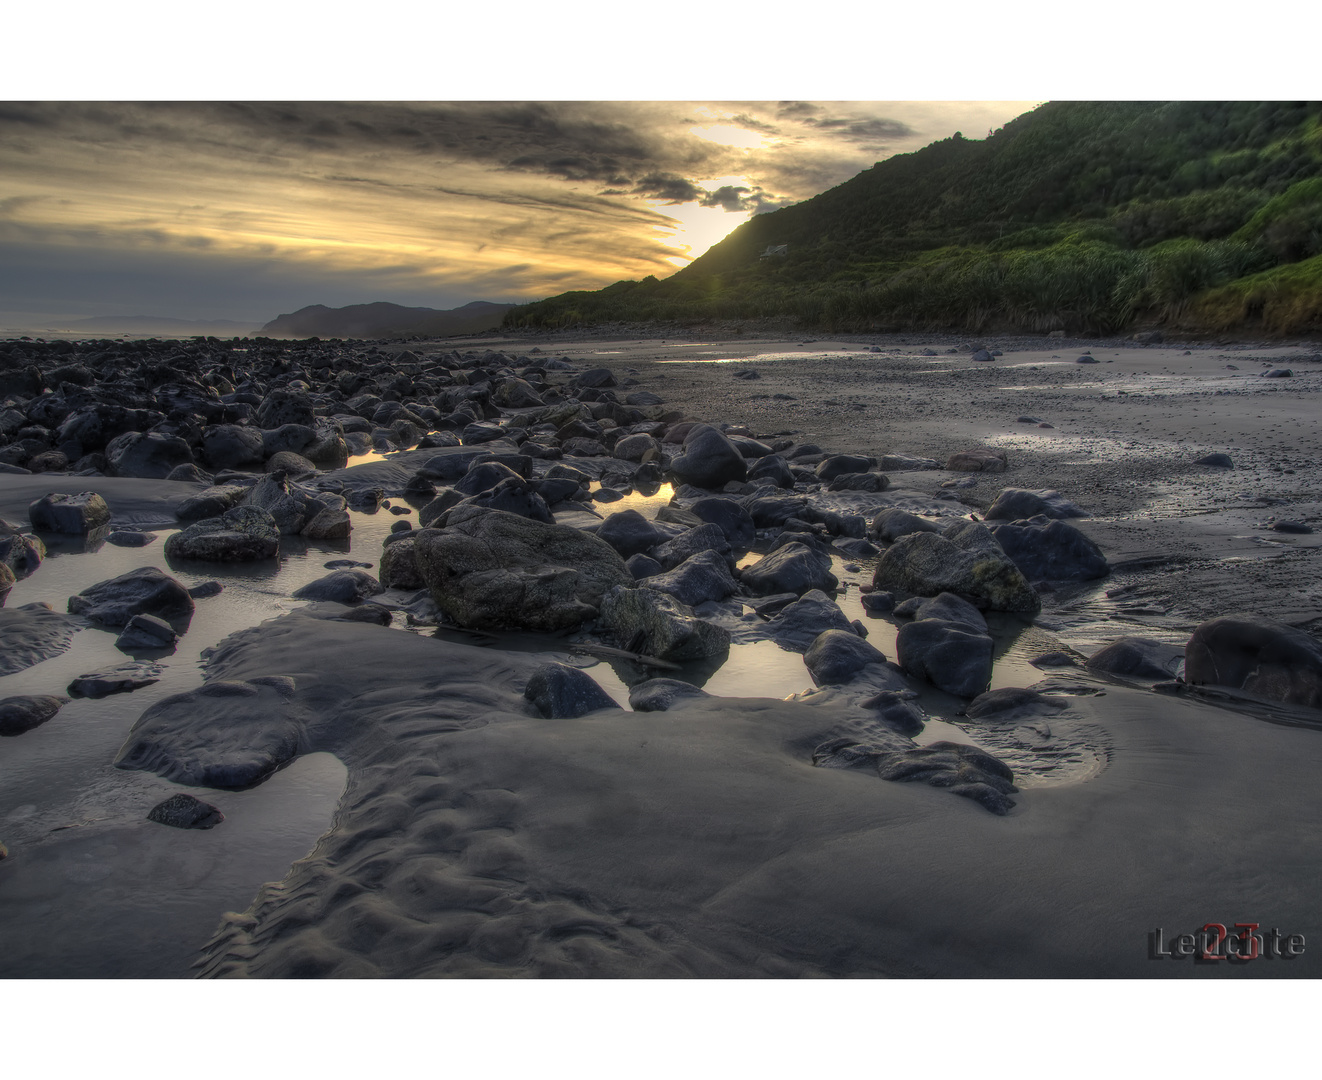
(953, 659)
(284, 406)
(864, 481)
(230, 446)
(120, 680)
(399, 566)
(146, 632)
(979, 459)
(637, 448)
(1137, 658)
(891, 524)
(69, 514)
(948, 608)
(130, 538)
(656, 624)
(796, 626)
(1052, 551)
(691, 542)
(836, 656)
(965, 559)
(559, 691)
(224, 734)
(709, 459)
(149, 454)
(513, 495)
(24, 712)
(701, 577)
(144, 591)
(1014, 503)
(1260, 656)
(342, 587)
(492, 569)
(659, 695)
(629, 533)
(185, 812)
(210, 502)
(795, 568)
(731, 518)
(840, 464)
(243, 534)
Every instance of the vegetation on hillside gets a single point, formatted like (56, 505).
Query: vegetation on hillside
(1082, 216)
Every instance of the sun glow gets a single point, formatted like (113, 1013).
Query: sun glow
(693, 228)
(731, 135)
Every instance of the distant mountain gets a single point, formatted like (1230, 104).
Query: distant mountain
(381, 320)
(1085, 216)
(155, 324)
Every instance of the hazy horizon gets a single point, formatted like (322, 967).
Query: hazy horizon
(243, 211)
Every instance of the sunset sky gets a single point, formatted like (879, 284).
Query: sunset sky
(246, 210)
(220, 207)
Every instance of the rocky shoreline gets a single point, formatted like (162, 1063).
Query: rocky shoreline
(666, 508)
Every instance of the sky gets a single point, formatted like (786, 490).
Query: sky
(243, 210)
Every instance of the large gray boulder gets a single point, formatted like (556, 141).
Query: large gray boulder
(559, 691)
(71, 514)
(230, 446)
(210, 502)
(950, 657)
(705, 576)
(491, 569)
(1051, 550)
(1014, 503)
(837, 656)
(1261, 656)
(341, 586)
(243, 534)
(25, 711)
(1137, 657)
(796, 626)
(144, 591)
(148, 454)
(656, 624)
(709, 460)
(892, 523)
(965, 560)
(228, 735)
(795, 568)
(629, 533)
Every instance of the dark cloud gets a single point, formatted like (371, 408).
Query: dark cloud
(863, 130)
(668, 188)
(742, 200)
(797, 109)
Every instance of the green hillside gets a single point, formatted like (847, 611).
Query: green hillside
(1083, 216)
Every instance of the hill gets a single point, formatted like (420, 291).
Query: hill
(382, 320)
(1082, 216)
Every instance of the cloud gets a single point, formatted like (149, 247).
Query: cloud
(668, 188)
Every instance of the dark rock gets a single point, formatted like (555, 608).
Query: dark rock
(793, 568)
(955, 660)
(772, 468)
(861, 481)
(492, 569)
(1291, 527)
(1216, 461)
(629, 533)
(1260, 656)
(1014, 503)
(1053, 660)
(185, 812)
(877, 600)
(229, 446)
(120, 680)
(144, 591)
(891, 524)
(430, 513)
(243, 534)
(559, 692)
(224, 734)
(1137, 658)
(709, 459)
(641, 566)
(979, 459)
(1278, 373)
(731, 518)
(981, 355)
(701, 577)
(951, 609)
(660, 695)
(342, 587)
(656, 624)
(1010, 699)
(689, 543)
(22, 553)
(896, 710)
(69, 514)
(211, 502)
(965, 559)
(130, 538)
(836, 656)
(24, 712)
(288, 463)
(799, 624)
(513, 495)
(399, 566)
(840, 464)
(146, 632)
(1054, 551)
(148, 454)
(1086, 359)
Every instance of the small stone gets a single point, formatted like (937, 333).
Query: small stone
(185, 812)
